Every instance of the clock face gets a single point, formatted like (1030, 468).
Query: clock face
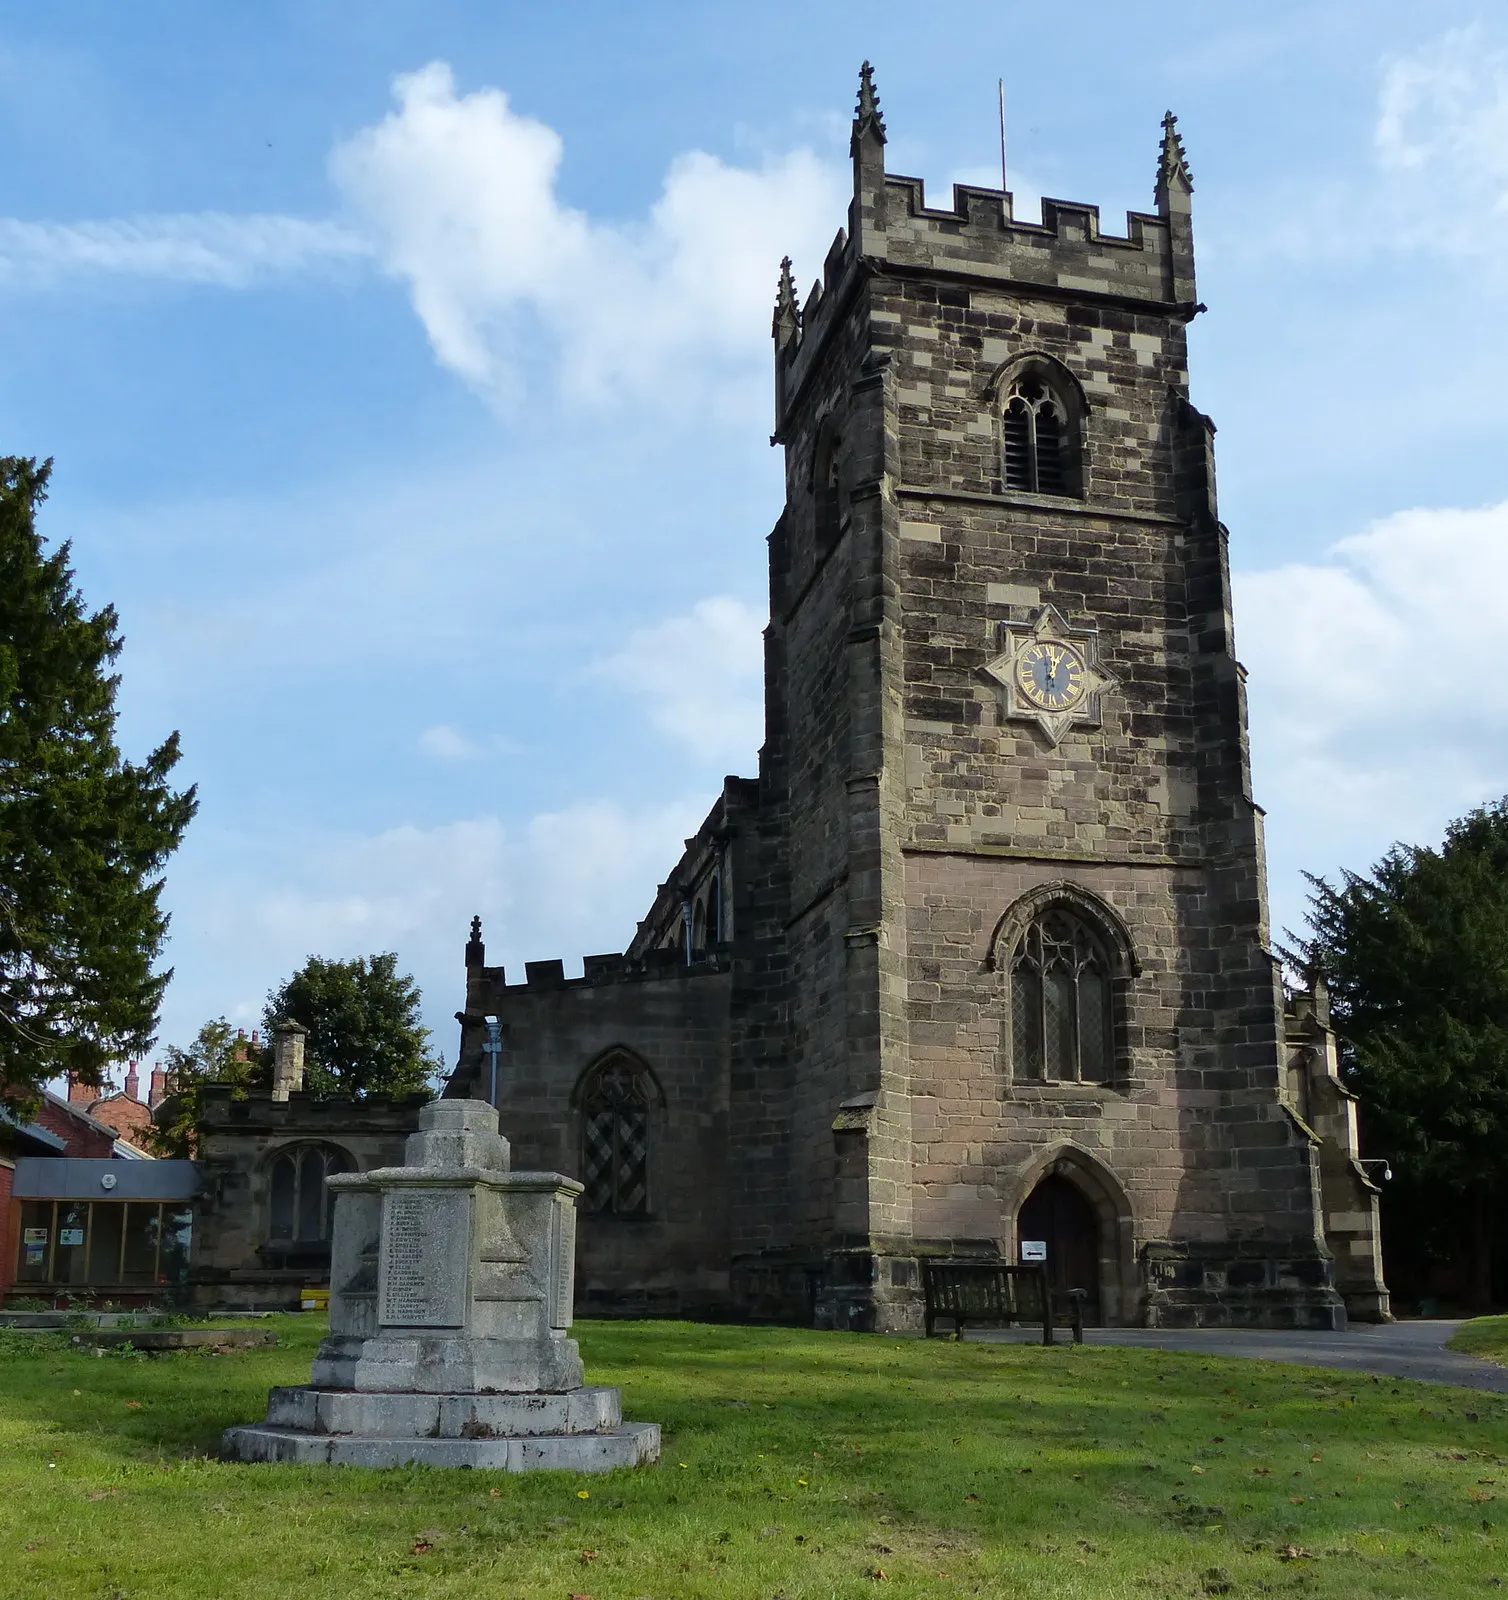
(1050, 675)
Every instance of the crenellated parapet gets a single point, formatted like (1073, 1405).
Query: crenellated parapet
(979, 242)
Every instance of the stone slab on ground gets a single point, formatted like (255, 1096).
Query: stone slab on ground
(179, 1338)
(630, 1445)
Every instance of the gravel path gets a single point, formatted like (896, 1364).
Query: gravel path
(1392, 1350)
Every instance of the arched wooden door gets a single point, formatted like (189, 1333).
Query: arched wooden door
(1060, 1215)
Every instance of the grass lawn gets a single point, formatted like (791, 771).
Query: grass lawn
(1483, 1336)
(796, 1464)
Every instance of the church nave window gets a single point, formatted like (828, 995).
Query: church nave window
(300, 1206)
(615, 1110)
(1060, 1003)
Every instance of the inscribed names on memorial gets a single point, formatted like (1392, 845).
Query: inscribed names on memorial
(562, 1261)
(422, 1263)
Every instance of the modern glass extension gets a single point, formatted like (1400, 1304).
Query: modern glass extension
(104, 1244)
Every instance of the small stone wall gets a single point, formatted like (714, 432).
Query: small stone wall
(1222, 1284)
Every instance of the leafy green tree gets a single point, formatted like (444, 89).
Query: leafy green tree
(1416, 957)
(365, 1036)
(84, 834)
(219, 1054)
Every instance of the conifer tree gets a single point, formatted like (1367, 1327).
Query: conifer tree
(84, 834)
(1416, 957)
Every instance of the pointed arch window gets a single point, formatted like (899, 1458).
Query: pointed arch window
(615, 1117)
(1037, 438)
(1060, 1000)
(300, 1207)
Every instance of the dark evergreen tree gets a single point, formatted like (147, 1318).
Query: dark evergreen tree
(219, 1054)
(1416, 957)
(365, 1036)
(84, 834)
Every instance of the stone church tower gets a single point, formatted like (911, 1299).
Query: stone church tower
(982, 954)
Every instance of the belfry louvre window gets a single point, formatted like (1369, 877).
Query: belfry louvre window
(829, 493)
(1060, 1003)
(1036, 439)
(615, 1140)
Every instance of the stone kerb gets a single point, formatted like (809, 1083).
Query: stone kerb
(452, 1283)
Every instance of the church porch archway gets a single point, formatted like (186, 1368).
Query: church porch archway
(1071, 1201)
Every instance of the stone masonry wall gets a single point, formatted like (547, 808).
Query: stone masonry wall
(838, 1094)
(675, 1258)
(239, 1140)
(1150, 810)
(955, 812)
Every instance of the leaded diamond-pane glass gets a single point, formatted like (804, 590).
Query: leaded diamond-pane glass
(1094, 1026)
(1058, 1006)
(1026, 1022)
(597, 1159)
(632, 1180)
(1061, 1027)
(615, 1141)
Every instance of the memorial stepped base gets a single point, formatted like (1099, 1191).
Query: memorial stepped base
(581, 1430)
(451, 1286)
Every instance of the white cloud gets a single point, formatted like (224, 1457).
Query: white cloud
(459, 192)
(566, 883)
(203, 247)
(702, 676)
(1437, 182)
(1379, 706)
(455, 195)
(1442, 137)
(446, 742)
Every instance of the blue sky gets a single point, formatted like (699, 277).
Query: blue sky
(407, 374)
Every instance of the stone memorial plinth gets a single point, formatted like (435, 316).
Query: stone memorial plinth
(451, 1286)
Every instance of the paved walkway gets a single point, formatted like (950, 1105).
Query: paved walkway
(1392, 1350)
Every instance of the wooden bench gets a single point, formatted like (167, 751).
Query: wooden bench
(994, 1294)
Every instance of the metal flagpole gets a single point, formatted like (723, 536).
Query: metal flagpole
(1000, 84)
